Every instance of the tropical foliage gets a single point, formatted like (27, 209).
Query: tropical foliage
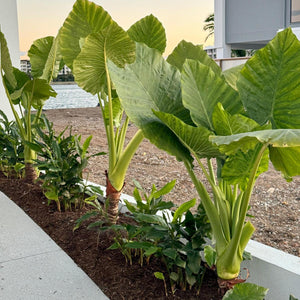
(25, 94)
(230, 124)
(242, 124)
(11, 148)
(89, 39)
(62, 159)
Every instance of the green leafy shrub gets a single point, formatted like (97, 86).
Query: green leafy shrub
(153, 202)
(177, 239)
(11, 148)
(62, 160)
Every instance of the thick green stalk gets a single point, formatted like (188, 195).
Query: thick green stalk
(102, 111)
(17, 118)
(219, 200)
(235, 212)
(211, 171)
(121, 137)
(38, 115)
(117, 176)
(210, 209)
(247, 195)
(228, 263)
(111, 135)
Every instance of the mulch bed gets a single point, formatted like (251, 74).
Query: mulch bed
(107, 268)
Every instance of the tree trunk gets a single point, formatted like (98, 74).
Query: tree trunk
(30, 173)
(113, 197)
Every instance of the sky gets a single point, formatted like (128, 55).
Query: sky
(182, 19)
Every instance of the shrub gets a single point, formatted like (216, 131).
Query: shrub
(62, 160)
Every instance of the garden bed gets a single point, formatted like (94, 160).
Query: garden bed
(275, 203)
(106, 268)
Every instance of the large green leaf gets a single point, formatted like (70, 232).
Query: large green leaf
(150, 83)
(150, 31)
(246, 291)
(21, 79)
(231, 75)
(226, 124)
(202, 89)
(85, 18)
(193, 138)
(45, 58)
(269, 83)
(237, 167)
(284, 150)
(244, 141)
(286, 160)
(186, 50)
(37, 91)
(111, 43)
(5, 62)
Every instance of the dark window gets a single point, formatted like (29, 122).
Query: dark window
(295, 11)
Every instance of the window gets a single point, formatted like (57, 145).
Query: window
(295, 11)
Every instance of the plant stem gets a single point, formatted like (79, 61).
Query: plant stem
(210, 209)
(111, 135)
(211, 171)
(118, 174)
(247, 195)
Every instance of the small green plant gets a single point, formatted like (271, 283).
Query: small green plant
(25, 94)
(62, 160)
(176, 238)
(11, 148)
(153, 202)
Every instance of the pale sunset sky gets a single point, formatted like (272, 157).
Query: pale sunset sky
(182, 19)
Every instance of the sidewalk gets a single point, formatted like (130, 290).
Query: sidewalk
(32, 266)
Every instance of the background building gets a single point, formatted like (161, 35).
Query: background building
(9, 26)
(243, 24)
(25, 66)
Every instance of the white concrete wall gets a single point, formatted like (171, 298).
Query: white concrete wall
(223, 49)
(227, 63)
(273, 269)
(9, 26)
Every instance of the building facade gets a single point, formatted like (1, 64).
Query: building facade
(9, 26)
(25, 66)
(243, 24)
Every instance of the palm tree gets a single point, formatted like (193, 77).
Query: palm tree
(209, 25)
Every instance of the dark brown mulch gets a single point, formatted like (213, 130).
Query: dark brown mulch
(106, 268)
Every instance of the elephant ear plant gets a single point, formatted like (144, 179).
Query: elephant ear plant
(25, 93)
(241, 124)
(89, 38)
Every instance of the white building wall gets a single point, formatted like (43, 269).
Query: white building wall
(9, 26)
(223, 50)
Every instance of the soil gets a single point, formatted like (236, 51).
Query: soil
(275, 203)
(107, 268)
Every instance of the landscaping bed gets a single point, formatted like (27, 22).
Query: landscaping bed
(275, 203)
(107, 268)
